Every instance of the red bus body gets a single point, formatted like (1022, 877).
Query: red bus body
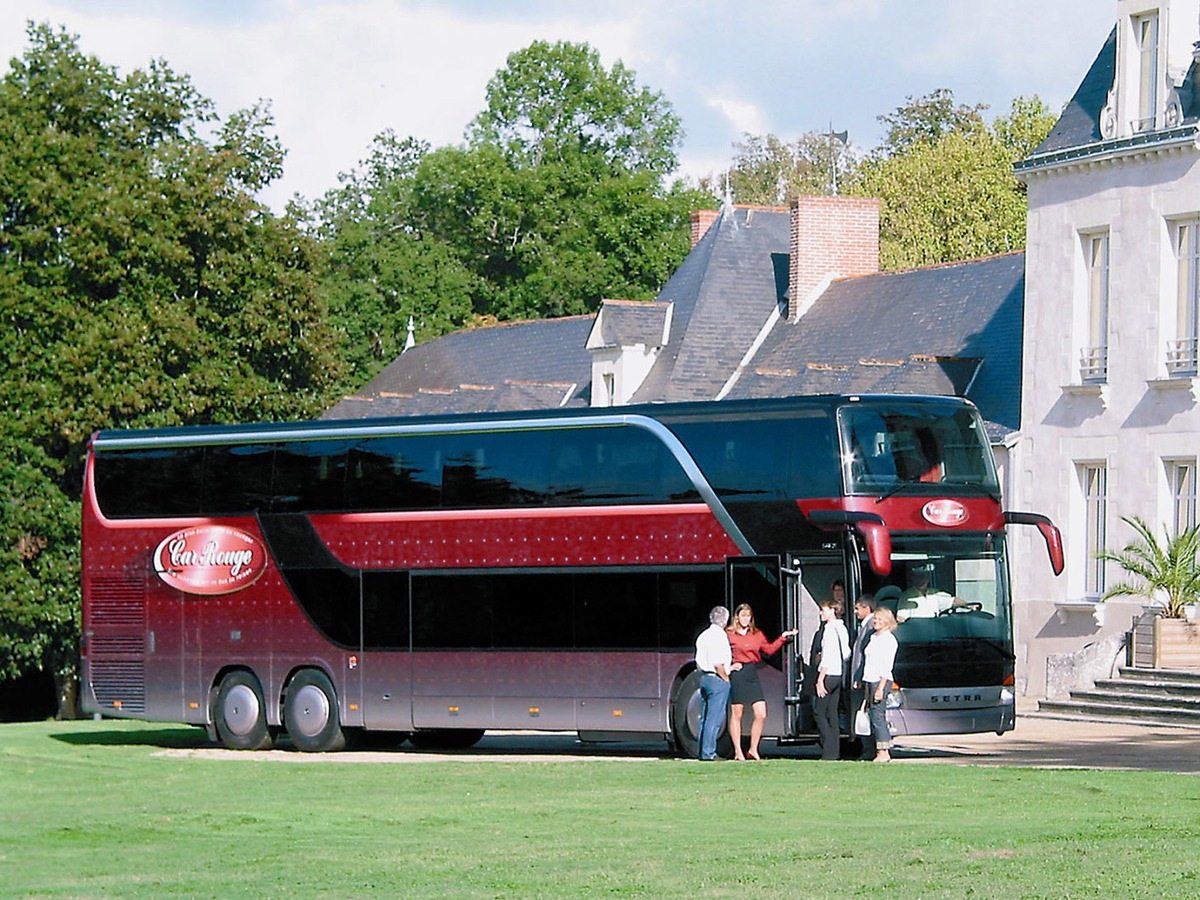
(571, 608)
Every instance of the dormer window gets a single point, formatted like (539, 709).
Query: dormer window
(1145, 31)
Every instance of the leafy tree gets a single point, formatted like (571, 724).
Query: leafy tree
(140, 284)
(954, 197)
(557, 200)
(380, 269)
(556, 102)
(925, 120)
(771, 171)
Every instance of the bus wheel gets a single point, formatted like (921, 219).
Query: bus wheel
(685, 721)
(446, 738)
(239, 714)
(310, 713)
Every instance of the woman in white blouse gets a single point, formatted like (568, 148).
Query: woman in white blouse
(835, 650)
(877, 677)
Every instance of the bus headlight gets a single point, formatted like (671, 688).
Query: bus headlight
(1007, 697)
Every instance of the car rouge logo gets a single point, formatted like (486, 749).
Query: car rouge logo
(210, 560)
(944, 512)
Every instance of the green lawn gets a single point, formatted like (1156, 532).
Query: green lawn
(87, 809)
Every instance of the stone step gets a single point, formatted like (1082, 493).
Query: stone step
(1135, 713)
(1174, 676)
(1150, 696)
(1156, 689)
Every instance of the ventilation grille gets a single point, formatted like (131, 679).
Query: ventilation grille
(116, 648)
(120, 685)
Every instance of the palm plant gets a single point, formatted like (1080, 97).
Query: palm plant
(1167, 573)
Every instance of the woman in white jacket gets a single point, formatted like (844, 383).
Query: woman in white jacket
(835, 651)
(877, 676)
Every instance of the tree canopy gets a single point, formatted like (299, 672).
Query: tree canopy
(557, 199)
(140, 284)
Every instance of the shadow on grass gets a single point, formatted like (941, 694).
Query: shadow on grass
(173, 738)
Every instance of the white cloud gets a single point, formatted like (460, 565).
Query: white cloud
(744, 116)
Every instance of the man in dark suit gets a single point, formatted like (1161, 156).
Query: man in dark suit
(864, 609)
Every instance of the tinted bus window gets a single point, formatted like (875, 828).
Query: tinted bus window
(452, 611)
(766, 459)
(616, 611)
(532, 611)
(908, 443)
(148, 483)
(614, 465)
(385, 610)
(495, 470)
(395, 473)
(237, 479)
(685, 599)
(310, 476)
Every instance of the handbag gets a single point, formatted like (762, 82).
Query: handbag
(862, 720)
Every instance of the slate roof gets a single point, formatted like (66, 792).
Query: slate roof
(1077, 131)
(626, 323)
(527, 365)
(1080, 122)
(723, 293)
(949, 329)
(952, 328)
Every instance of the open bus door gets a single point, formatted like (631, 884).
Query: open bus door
(808, 580)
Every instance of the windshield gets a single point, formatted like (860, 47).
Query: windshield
(951, 598)
(893, 444)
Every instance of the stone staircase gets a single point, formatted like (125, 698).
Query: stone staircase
(1135, 697)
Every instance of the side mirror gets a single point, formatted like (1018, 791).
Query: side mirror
(877, 538)
(1050, 533)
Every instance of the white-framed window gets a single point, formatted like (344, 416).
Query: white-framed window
(1181, 488)
(1145, 34)
(1094, 481)
(1093, 356)
(1181, 351)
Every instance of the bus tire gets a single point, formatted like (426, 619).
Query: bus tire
(446, 738)
(685, 720)
(239, 714)
(310, 713)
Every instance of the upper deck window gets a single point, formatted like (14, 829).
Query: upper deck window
(893, 444)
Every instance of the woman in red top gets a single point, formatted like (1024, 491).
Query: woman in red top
(749, 646)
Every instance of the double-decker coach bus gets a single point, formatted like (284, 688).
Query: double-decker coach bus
(430, 578)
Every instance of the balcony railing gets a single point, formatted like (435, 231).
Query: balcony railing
(1093, 364)
(1181, 356)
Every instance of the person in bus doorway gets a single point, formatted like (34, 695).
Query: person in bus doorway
(714, 660)
(749, 646)
(835, 652)
(864, 612)
(878, 660)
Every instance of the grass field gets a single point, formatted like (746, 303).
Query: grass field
(93, 809)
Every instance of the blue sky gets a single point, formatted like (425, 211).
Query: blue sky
(338, 72)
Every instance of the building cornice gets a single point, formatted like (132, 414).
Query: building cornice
(1167, 142)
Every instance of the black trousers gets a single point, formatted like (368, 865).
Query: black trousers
(857, 696)
(826, 709)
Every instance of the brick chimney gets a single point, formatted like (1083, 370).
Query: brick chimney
(702, 220)
(832, 237)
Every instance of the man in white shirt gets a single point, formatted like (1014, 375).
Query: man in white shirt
(713, 658)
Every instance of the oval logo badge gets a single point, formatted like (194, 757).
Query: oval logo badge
(944, 512)
(210, 560)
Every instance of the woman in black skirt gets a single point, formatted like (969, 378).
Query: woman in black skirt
(749, 646)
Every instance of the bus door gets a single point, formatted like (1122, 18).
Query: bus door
(385, 665)
(759, 581)
(810, 580)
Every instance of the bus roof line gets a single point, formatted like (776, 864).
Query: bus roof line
(375, 429)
